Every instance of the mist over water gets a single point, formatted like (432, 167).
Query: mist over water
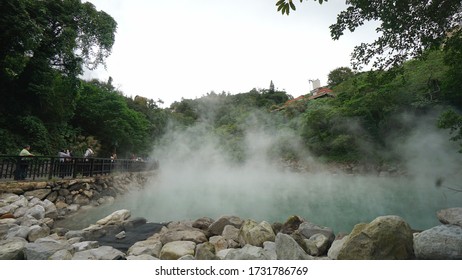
(197, 179)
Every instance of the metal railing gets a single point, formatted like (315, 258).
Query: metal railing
(43, 167)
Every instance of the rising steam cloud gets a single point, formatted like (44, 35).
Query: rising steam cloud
(198, 178)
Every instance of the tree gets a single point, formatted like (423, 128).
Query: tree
(338, 76)
(407, 28)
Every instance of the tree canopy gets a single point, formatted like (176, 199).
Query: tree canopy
(407, 28)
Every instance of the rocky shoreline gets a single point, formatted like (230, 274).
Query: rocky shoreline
(28, 231)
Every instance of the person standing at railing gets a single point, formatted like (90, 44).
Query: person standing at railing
(63, 156)
(87, 165)
(21, 170)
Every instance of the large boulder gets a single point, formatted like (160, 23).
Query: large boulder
(255, 234)
(439, 243)
(385, 238)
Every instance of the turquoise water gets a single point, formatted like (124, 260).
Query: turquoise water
(335, 201)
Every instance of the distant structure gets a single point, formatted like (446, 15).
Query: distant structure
(316, 83)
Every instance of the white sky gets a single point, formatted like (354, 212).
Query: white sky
(177, 49)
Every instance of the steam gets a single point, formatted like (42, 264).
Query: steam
(198, 177)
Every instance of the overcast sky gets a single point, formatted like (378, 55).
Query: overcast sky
(177, 49)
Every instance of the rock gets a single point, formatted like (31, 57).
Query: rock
(141, 257)
(37, 211)
(217, 227)
(7, 216)
(255, 234)
(202, 223)
(12, 248)
(322, 243)
(18, 231)
(115, 218)
(205, 251)
(292, 224)
(81, 199)
(219, 243)
(147, 247)
(248, 252)
(288, 249)
(439, 243)
(270, 248)
(61, 255)
(43, 248)
(183, 235)
(84, 245)
(176, 249)
(121, 235)
(451, 216)
(385, 238)
(40, 193)
(308, 229)
(231, 233)
(100, 253)
(335, 248)
(53, 196)
(37, 232)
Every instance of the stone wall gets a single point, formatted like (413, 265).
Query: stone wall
(70, 195)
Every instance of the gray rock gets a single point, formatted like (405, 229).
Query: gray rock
(203, 223)
(100, 253)
(176, 249)
(288, 249)
(61, 255)
(308, 229)
(36, 211)
(255, 234)
(219, 243)
(44, 248)
(231, 233)
(37, 232)
(270, 248)
(117, 217)
(248, 252)
(205, 251)
(147, 247)
(183, 235)
(322, 243)
(217, 227)
(451, 216)
(81, 199)
(141, 257)
(335, 248)
(40, 193)
(85, 245)
(439, 243)
(121, 235)
(18, 231)
(12, 248)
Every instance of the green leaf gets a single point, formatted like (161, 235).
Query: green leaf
(280, 2)
(292, 5)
